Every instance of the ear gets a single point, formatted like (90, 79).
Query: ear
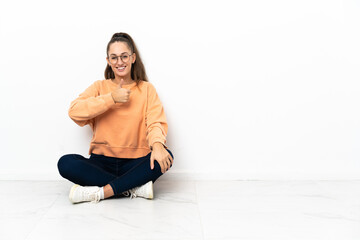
(134, 57)
(107, 59)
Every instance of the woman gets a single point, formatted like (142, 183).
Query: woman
(127, 150)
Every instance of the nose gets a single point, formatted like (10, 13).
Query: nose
(117, 59)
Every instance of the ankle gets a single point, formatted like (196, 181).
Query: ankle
(108, 191)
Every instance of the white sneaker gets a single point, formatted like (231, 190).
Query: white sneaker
(145, 191)
(83, 194)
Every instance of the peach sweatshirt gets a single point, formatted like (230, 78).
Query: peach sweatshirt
(122, 130)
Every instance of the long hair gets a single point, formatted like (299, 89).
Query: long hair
(138, 72)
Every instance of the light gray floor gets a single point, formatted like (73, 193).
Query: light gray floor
(186, 210)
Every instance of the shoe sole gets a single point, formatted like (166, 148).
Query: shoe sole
(72, 192)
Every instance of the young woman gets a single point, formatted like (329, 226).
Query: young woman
(127, 150)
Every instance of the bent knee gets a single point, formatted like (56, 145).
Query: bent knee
(170, 153)
(65, 163)
(172, 156)
(62, 163)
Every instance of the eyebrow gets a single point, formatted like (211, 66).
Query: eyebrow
(120, 53)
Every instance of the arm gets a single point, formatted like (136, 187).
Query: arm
(89, 104)
(155, 119)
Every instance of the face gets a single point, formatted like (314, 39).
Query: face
(120, 65)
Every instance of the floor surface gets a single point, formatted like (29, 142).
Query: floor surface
(186, 210)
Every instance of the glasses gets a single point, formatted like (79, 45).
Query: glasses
(124, 57)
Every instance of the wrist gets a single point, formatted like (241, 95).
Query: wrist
(112, 97)
(158, 145)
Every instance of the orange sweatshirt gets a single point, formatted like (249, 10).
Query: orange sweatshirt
(122, 130)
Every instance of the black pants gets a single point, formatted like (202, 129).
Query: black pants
(99, 170)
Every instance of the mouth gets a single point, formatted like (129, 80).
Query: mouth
(121, 69)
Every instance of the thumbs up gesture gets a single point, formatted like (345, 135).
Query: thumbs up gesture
(121, 95)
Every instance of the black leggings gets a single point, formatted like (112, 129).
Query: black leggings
(121, 173)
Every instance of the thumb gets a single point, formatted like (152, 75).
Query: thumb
(121, 83)
(151, 161)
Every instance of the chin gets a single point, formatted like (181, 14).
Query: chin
(122, 75)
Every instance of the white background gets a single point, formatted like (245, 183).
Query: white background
(251, 89)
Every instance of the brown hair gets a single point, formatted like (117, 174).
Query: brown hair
(138, 72)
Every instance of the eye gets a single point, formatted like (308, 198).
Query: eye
(125, 57)
(114, 58)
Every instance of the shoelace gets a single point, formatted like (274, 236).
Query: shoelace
(95, 196)
(131, 193)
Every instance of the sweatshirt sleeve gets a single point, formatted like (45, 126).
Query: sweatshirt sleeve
(89, 104)
(156, 123)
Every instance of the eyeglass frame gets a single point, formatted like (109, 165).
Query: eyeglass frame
(121, 57)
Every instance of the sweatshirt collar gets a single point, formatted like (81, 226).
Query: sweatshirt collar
(124, 86)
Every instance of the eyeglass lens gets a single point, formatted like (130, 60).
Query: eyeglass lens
(124, 57)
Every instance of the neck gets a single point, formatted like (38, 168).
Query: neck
(127, 79)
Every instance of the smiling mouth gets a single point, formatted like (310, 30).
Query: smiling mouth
(121, 68)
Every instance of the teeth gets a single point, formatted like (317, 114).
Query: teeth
(121, 68)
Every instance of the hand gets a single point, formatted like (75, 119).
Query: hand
(161, 155)
(121, 95)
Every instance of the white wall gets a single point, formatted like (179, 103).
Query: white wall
(251, 89)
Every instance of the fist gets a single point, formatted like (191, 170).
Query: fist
(121, 95)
